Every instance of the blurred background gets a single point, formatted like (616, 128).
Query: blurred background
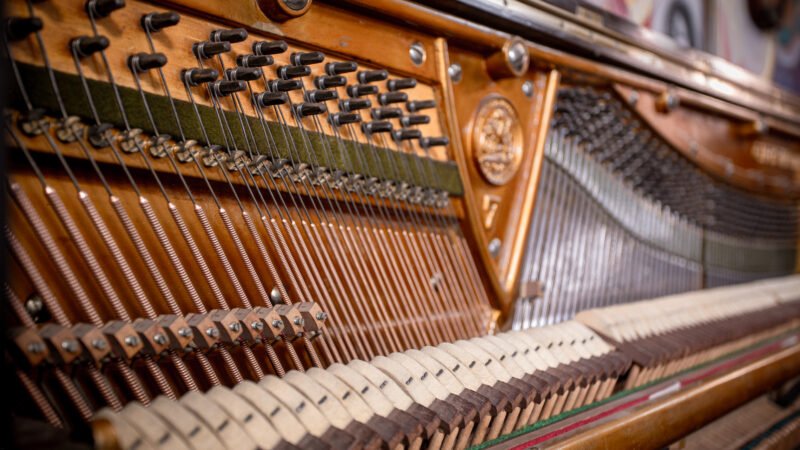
(762, 36)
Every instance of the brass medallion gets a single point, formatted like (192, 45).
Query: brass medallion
(497, 141)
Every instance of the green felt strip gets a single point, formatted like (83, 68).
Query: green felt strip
(543, 423)
(309, 147)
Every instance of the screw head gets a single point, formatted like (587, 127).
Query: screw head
(299, 321)
(99, 344)
(455, 72)
(275, 295)
(70, 345)
(633, 98)
(34, 305)
(527, 89)
(494, 247)
(277, 324)
(160, 338)
(235, 327)
(322, 315)
(517, 57)
(258, 326)
(213, 332)
(36, 347)
(185, 332)
(131, 341)
(417, 53)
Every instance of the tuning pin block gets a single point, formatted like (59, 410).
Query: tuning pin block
(30, 345)
(124, 339)
(252, 326)
(176, 328)
(273, 324)
(62, 343)
(229, 327)
(94, 343)
(205, 332)
(313, 317)
(293, 321)
(154, 340)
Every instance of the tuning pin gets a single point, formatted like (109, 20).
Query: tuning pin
(224, 88)
(330, 81)
(378, 126)
(244, 73)
(158, 21)
(269, 47)
(309, 109)
(371, 76)
(18, 28)
(428, 142)
(338, 68)
(103, 8)
(392, 97)
(142, 62)
(343, 118)
(400, 84)
(285, 85)
(289, 72)
(88, 45)
(320, 96)
(360, 90)
(414, 119)
(419, 105)
(198, 76)
(265, 99)
(233, 36)
(306, 58)
(386, 113)
(208, 49)
(406, 134)
(354, 104)
(254, 60)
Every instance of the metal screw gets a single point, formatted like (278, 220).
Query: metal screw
(34, 305)
(185, 332)
(235, 327)
(99, 344)
(275, 295)
(160, 338)
(527, 89)
(132, 341)
(494, 246)
(213, 332)
(455, 72)
(36, 347)
(258, 326)
(70, 345)
(299, 321)
(322, 315)
(517, 56)
(417, 53)
(277, 324)
(633, 98)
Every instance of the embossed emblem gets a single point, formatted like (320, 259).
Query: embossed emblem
(497, 141)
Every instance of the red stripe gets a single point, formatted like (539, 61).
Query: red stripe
(639, 400)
